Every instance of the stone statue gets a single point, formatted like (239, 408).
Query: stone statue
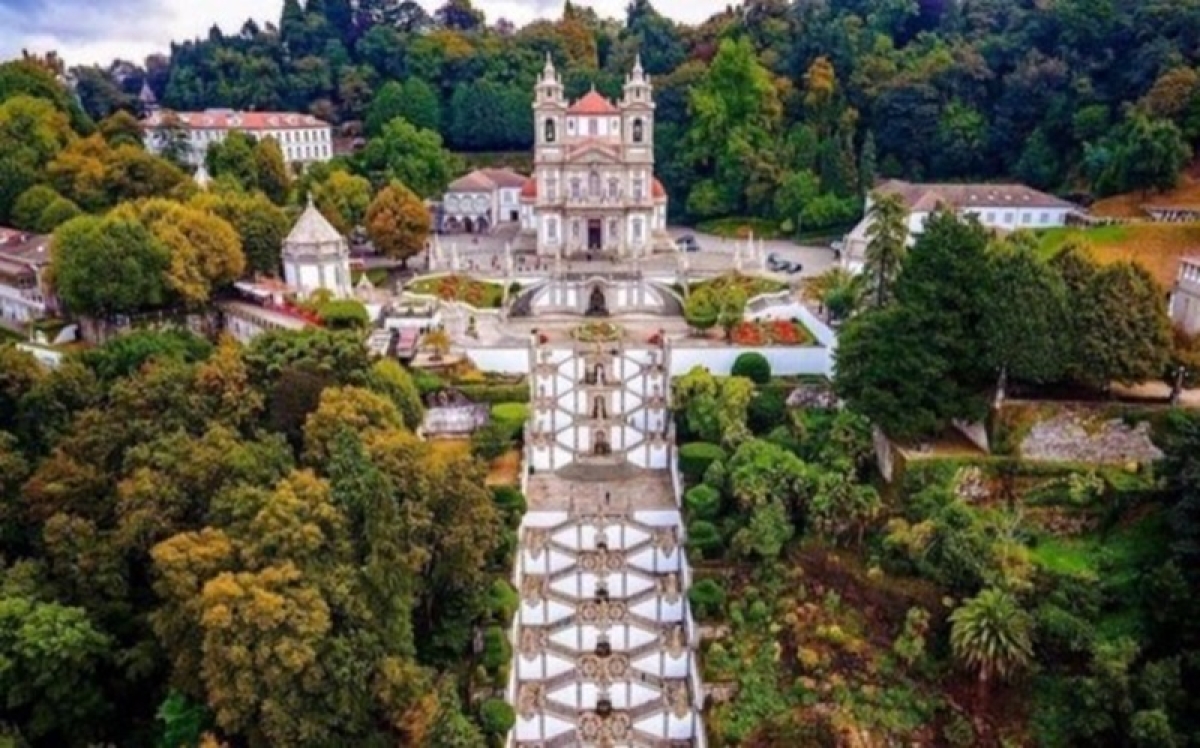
(674, 637)
(454, 263)
(676, 698)
(531, 699)
(669, 586)
(737, 257)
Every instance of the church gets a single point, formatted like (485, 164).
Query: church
(593, 192)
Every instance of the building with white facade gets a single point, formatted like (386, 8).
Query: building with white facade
(593, 190)
(304, 139)
(1185, 297)
(1001, 207)
(481, 200)
(316, 257)
(25, 296)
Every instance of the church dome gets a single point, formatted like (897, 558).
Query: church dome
(313, 234)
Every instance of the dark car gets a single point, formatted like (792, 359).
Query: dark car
(777, 264)
(687, 243)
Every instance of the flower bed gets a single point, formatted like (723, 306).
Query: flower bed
(751, 285)
(460, 288)
(771, 332)
(597, 332)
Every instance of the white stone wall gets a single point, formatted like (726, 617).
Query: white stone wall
(310, 275)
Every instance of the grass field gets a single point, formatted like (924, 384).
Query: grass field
(1130, 205)
(1157, 246)
(1126, 548)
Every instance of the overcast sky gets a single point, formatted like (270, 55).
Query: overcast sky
(97, 31)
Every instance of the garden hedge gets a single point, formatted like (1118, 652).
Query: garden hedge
(767, 411)
(496, 716)
(705, 539)
(703, 502)
(495, 393)
(511, 416)
(753, 366)
(695, 458)
(707, 598)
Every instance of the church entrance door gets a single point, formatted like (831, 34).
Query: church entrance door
(595, 234)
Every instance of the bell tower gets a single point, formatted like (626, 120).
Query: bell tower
(549, 105)
(637, 112)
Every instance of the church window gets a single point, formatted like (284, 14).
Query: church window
(549, 131)
(551, 229)
(594, 184)
(638, 134)
(637, 188)
(614, 187)
(575, 229)
(576, 188)
(637, 229)
(593, 126)
(551, 188)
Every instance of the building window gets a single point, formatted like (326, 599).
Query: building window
(594, 184)
(552, 229)
(1008, 217)
(637, 188)
(637, 230)
(1026, 217)
(551, 188)
(593, 126)
(1045, 219)
(989, 217)
(637, 131)
(614, 187)
(549, 135)
(576, 188)
(575, 229)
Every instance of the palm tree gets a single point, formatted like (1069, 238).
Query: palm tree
(990, 634)
(838, 291)
(887, 243)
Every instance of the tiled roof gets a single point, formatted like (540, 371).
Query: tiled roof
(227, 119)
(476, 181)
(24, 247)
(530, 189)
(593, 103)
(926, 197)
(505, 177)
(656, 188)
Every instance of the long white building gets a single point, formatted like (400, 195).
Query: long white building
(1001, 207)
(304, 139)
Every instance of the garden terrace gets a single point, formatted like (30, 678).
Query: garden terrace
(461, 289)
(751, 285)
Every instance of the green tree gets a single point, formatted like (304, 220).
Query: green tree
(398, 222)
(261, 225)
(1143, 155)
(990, 634)
(29, 211)
(234, 157)
(121, 128)
(1125, 334)
(392, 380)
(409, 155)
(887, 244)
(270, 171)
(107, 266)
(700, 309)
(52, 658)
(343, 198)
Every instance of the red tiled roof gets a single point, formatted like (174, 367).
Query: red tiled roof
(530, 189)
(657, 189)
(505, 178)
(227, 119)
(593, 103)
(926, 197)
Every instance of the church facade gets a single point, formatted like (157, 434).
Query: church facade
(593, 191)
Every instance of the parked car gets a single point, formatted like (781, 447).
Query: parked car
(777, 264)
(687, 243)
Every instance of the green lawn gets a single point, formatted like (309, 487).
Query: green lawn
(1118, 555)
(1155, 246)
(1053, 240)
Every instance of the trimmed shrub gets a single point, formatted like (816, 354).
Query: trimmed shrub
(502, 601)
(753, 366)
(427, 382)
(495, 393)
(512, 416)
(695, 458)
(705, 539)
(496, 716)
(703, 501)
(496, 649)
(767, 411)
(707, 598)
(344, 314)
(490, 441)
(509, 500)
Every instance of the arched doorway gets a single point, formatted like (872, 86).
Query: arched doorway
(597, 302)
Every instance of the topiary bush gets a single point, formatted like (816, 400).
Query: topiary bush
(703, 501)
(707, 598)
(490, 441)
(511, 416)
(705, 539)
(496, 717)
(343, 314)
(717, 476)
(509, 500)
(753, 366)
(695, 458)
(502, 601)
(496, 649)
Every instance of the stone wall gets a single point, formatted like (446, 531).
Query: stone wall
(1080, 435)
